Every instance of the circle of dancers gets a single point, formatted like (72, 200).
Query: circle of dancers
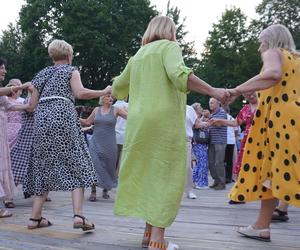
(44, 147)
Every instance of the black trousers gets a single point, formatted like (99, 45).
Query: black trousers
(228, 161)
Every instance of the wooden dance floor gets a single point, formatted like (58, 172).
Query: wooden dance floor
(206, 223)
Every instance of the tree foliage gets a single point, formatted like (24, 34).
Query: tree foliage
(188, 47)
(103, 33)
(229, 56)
(285, 12)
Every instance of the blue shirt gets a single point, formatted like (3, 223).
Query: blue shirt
(218, 135)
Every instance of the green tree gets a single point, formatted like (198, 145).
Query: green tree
(11, 48)
(103, 33)
(188, 47)
(285, 12)
(230, 57)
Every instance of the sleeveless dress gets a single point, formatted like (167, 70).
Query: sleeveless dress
(103, 149)
(7, 186)
(59, 158)
(14, 123)
(270, 165)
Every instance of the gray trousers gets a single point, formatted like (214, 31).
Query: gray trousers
(216, 155)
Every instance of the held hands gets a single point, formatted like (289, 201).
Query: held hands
(215, 122)
(226, 96)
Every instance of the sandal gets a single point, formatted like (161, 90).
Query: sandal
(5, 213)
(93, 197)
(279, 215)
(48, 199)
(255, 234)
(39, 225)
(82, 225)
(9, 204)
(146, 239)
(163, 246)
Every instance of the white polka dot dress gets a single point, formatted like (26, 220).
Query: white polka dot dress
(59, 158)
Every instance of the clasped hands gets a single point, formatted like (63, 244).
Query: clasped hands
(226, 96)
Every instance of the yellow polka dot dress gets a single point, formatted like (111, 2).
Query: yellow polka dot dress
(271, 161)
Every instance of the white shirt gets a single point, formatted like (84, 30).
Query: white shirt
(191, 117)
(231, 131)
(121, 122)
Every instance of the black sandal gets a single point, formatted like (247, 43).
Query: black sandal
(82, 225)
(9, 204)
(279, 215)
(39, 225)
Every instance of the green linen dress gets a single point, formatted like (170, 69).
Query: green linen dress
(153, 167)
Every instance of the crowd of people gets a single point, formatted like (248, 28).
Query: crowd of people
(132, 146)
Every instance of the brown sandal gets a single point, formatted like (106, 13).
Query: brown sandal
(82, 225)
(147, 236)
(39, 225)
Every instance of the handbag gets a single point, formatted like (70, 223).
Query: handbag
(201, 136)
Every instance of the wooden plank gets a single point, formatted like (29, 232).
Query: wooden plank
(205, 223)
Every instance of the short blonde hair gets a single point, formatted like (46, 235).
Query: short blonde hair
(278, 36)
(160, 27)
(59, 50)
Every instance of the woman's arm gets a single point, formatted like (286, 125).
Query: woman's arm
(83, 93)
(34, 98)
(122, 113)
(13, 89)
(196, 84)
(223, 122)
(271, 74)
(17, 107)
(90, 120)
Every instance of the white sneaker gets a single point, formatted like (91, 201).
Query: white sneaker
(204, 187)
(191, 195)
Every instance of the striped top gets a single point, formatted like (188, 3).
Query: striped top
(218, 135)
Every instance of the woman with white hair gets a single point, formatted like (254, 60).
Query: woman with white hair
(59, 157)
(270, 165)
(153, 167)
(103, 145)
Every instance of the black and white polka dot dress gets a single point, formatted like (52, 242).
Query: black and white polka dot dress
(271, 161)
(59, 158)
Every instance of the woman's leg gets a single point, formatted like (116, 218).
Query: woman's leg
(147, 235)
(158, 236)
(93, 195)
(77, 199)
(37, 206)
(265, 215)
(282, 206)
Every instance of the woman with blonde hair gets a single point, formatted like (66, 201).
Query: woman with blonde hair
(270, 165)
(153, 166)
(59, 158)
